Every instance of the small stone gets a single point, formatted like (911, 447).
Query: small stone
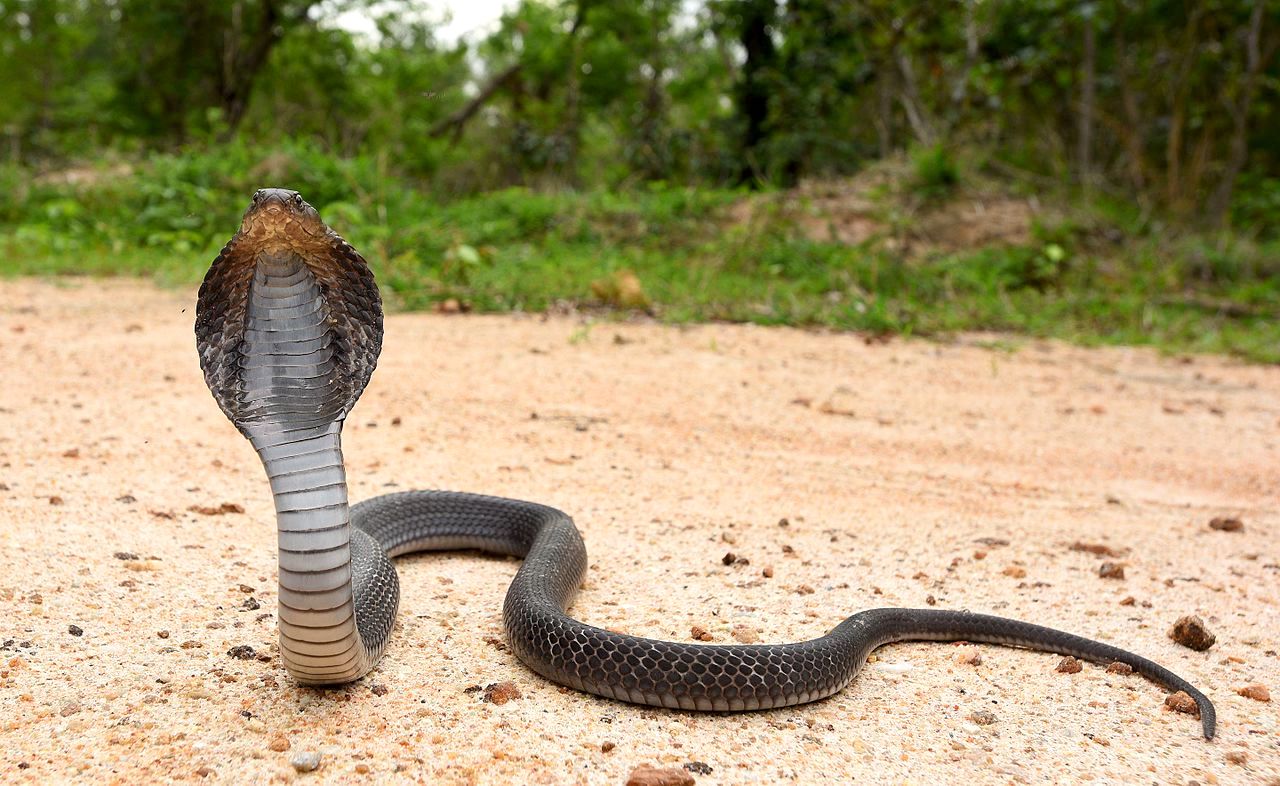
(1226, 524)
(125, 555)
(163, 634)
(1116, 667)
(75, 630)
(983, 717)
(1111, 570)
(605, 747)
(700, 633)
(745, 634)
(1013, 571)
(207, 510)
(644, 775)
(1237, 757)
(68, 709)
(246, 589)
(1097, 549)
(804, 589)
(55, 500)
(378, 690)
(256, 726)
(969, 656)
(1257, 692)
(1128, 601)
(729, 558)
(1181, 702)
(767, 572)
(1069, 665)
(279, 745)
(698, 767)
(242, 652)
(1190, 631)
(501, 692)
(307, 761)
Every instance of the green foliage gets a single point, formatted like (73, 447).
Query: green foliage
(936, 172)
(520, 249)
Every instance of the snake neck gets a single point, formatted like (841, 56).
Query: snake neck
(292, 414)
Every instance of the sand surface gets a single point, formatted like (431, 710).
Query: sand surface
(858, 474)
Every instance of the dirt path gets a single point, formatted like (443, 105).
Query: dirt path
(841, 475)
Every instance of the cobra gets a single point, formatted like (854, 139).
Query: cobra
(289, 327)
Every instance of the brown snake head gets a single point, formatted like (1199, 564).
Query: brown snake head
(280, 228)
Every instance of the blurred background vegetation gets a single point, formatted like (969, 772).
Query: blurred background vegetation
(1103, 171)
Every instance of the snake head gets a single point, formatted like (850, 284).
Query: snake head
(279, 219)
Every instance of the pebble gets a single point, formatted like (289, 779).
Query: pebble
(983, 717)
(1097, 549)
(279, 745)
(1070, 665)
(1257, 692)
(1226, 524)
(501, 692)
(700, 633)
(378, 690)
(75, 630)
(1111, 570)
(644, 775)
(605, 747)
(1181, 702)
(1013, 571)
(243, 652)
(307, 761)
(1237, 757)
(1116, 667)
(698, 767)
(969, 656)
(1190, 631)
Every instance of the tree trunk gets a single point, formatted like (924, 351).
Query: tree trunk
(1084, 139)
(753, 89)
(242, 65)
(1255, 60)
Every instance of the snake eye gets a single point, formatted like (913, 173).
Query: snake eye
(297, 200)
(257, 196)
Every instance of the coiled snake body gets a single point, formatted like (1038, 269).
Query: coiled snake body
(289, 327)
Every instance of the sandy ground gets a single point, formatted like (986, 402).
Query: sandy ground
(906, 472)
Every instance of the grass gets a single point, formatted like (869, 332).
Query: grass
(523, 250)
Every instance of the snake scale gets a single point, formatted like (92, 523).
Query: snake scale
(289, 328)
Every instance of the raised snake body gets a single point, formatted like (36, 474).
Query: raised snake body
(289, 327)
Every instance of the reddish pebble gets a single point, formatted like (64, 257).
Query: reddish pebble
(1181, 702)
